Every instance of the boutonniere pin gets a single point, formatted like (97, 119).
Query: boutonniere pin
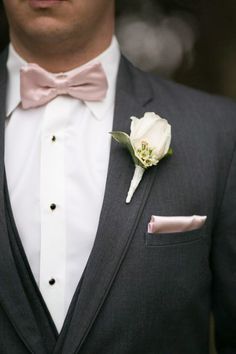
(148, 142)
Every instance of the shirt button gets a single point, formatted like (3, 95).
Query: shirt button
(52, 281)
(53, 206)
(54, 138)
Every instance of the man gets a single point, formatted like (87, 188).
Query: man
(79, 272)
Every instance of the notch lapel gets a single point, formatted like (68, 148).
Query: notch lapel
(12, 295)
(110, 246)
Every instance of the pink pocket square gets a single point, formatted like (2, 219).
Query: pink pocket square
(172, 224)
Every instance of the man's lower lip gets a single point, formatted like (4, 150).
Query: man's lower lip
(43, 4)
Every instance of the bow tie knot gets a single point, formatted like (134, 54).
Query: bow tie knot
(38, 86)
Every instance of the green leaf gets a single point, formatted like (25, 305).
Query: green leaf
(124, 140)
(170, 152)
(121, 137)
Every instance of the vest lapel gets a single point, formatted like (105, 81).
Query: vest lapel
(110, 246)
(12, 295)
(44, 321)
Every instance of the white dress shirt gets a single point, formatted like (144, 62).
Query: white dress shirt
(56, 159)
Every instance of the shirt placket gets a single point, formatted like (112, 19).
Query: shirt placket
(52, 204)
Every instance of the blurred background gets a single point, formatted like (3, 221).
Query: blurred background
(190, 41)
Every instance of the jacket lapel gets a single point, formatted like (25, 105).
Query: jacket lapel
(110, 246)
(12, 294)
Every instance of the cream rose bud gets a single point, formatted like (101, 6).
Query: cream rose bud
(150, 138)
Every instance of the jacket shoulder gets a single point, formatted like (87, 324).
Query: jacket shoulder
(189, 103)
(191, 96)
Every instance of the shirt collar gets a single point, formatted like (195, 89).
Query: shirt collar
(109, 59)
(14, 64)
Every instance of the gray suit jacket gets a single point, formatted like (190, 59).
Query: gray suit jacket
(145, 293)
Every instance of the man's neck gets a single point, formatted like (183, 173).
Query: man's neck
(61, 58)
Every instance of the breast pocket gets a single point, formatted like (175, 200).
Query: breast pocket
(169, 239)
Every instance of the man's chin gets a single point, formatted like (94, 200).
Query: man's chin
(46, 30)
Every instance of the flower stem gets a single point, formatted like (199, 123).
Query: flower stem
(138, 174)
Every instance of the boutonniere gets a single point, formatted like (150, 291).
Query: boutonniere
(148, 142)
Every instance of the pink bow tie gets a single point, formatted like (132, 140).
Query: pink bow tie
(38, 86)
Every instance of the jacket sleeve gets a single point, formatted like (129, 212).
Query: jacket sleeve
(224, 267)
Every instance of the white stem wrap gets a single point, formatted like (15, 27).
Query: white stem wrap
(138, 174)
